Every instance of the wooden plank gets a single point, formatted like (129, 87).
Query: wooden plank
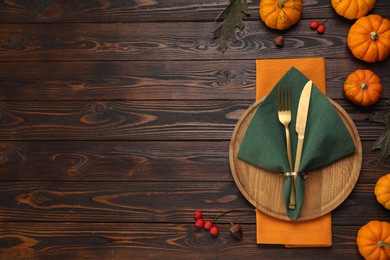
(172, 202)
(141, 120)
(150, 80)
(113, 161)
(185, 41)
(113, 120)
(152, 241)
(136, 11)
(134, 161)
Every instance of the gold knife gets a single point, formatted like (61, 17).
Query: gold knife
(300, 128)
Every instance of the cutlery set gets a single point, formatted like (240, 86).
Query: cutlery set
(284, 115)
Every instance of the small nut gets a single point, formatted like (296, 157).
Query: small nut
(236, 231)
(279, 40)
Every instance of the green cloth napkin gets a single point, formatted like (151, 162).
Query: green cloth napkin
(326, 138)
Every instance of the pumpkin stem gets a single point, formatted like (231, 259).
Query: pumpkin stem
(374, 36)
(281, 3)
(382, 244)
(364, 86)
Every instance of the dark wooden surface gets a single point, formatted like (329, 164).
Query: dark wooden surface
(115, 120)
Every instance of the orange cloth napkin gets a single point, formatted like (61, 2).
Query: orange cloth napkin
(310, 233)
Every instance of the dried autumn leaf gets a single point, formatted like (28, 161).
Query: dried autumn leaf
(231, 18)
(383, 142)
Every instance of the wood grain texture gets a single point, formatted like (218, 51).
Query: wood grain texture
(141, 120)
(167, 241)
(128, 41)
(141, 10)
(115, 121)
(164, 161)
(184, 80)
(154, 202)
(105, 161)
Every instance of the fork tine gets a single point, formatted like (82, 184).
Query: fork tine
(283, 98)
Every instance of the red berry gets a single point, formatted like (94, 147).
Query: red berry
(321, 29)
(208, 224)
(314, 25)
(214, 231)
(197, 214)
(199, 223)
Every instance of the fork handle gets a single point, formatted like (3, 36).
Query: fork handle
(289, 156)
(288, 148)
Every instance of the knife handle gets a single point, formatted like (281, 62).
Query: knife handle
(298, 156)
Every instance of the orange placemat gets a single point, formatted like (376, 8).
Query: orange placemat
(311, 233)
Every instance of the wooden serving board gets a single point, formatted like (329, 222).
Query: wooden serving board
(325, 188)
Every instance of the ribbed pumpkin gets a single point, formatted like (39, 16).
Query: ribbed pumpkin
(369, 38)
(363, 87)
(353, 9)
(382, 190)
(280, 14)
(373, 240)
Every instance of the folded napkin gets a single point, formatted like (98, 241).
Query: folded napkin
(309, 233)
(326, 138)
(269, 230)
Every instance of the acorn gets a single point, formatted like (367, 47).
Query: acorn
(279, 40)
(236, 231)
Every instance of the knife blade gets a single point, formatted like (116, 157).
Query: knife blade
(300, 128)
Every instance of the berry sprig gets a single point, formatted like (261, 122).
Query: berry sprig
(208, 224)
(320, 27)
(212, 227)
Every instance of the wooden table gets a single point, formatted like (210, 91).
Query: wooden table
(115, 121)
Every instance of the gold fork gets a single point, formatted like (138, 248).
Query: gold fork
(284, 115)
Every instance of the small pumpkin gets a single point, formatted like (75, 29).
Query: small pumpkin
(363, 87)
(369, 38)
(382, 190)
(373, 240)
(353, 9)
(280, 14)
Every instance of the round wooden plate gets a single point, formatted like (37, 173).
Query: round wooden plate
(325, 188)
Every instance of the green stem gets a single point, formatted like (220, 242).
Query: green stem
(281, 3)
(382, 244)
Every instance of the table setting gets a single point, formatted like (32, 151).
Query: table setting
(195, 129)
(295, 154)
(330, 162)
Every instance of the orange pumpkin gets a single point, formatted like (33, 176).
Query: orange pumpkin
(353, 9)
(382, 190)
(363, 87)
(373, 240)
(280, 14)
(369, 38)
